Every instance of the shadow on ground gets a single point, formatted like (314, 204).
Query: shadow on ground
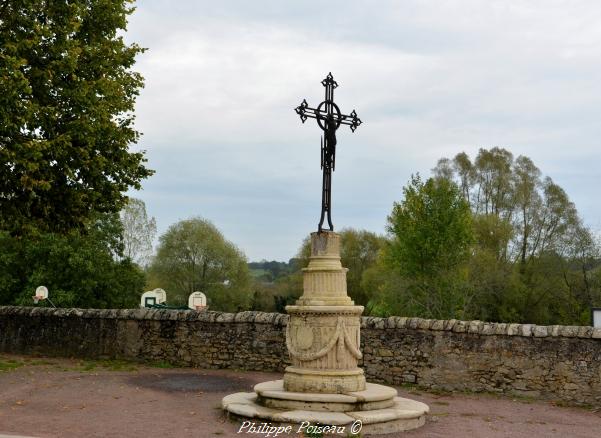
(187, 382)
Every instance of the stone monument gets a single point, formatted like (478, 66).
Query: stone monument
(324, 385)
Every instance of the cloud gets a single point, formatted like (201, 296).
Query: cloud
(428, 78)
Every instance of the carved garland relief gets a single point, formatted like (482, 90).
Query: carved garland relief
(303, 338)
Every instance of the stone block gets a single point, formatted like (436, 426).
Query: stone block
(242, 316)
(385, 352)
(488, 328)
(526, 329)
(514, 330)
(409, 378)
(424, 324)
(460, 327)
(225, 317)
(437, 324)
(501, 328)
(568, 331)
(280, 320)
(540, 331)
(475, 327)
(449, 324)
(369, 322)
(585, 332)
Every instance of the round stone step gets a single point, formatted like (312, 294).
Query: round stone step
(403, 414)
(272, 395)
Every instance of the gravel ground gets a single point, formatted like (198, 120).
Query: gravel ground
(43, 397)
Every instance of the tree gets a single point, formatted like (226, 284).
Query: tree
(431, 228)
(67, 95)
(194, 256)
(533, 259)
(138, 232)
(430, 239)
(359, 251)
(79, 269)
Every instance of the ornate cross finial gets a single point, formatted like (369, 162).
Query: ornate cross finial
(329, 118)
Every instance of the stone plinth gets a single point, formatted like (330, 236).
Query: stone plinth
(322, 335)
(324, 384)
(377, 408)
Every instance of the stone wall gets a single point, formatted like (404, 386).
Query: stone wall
(559, 362)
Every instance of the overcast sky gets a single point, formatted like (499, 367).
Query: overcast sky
(429, 79)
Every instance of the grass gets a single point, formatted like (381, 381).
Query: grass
(10, 364)
(108, 365)
(161, 364)
(97, 365)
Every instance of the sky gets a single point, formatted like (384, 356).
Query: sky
(428, 78)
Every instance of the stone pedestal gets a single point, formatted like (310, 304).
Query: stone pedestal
(324, 384)
(322, 335)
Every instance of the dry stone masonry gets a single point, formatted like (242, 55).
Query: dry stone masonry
(559, 362)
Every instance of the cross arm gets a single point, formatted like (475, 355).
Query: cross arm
(306, 112)
(351, 120)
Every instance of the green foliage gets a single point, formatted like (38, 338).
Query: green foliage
(79, 269)
(194, 256)
(431, 228)
(359, 250)
(422, 270)
(533, 260)
(270, 271)
(10, 364)
(67, 95)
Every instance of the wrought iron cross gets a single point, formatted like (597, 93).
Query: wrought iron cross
(329, 118)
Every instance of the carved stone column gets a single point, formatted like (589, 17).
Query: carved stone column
(324, 385)
(322, 335)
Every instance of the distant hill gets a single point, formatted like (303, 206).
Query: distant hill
(269, 271)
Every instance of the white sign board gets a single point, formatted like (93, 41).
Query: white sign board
(151, 297)
(41, 292)
(596, 311)
(161, 293)
(197, 301)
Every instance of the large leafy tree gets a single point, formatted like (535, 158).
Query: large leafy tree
(431, 228)
(193, 256)
(67, 94)
(79, 269)
(534, 260)
(430, 239)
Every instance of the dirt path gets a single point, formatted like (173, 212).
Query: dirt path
(71, 398)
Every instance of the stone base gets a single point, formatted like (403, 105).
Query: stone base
(377, 408)
(326, 381)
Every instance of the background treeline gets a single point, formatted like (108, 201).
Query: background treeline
(488, 238)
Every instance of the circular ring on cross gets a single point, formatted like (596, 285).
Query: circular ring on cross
(336, 109)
